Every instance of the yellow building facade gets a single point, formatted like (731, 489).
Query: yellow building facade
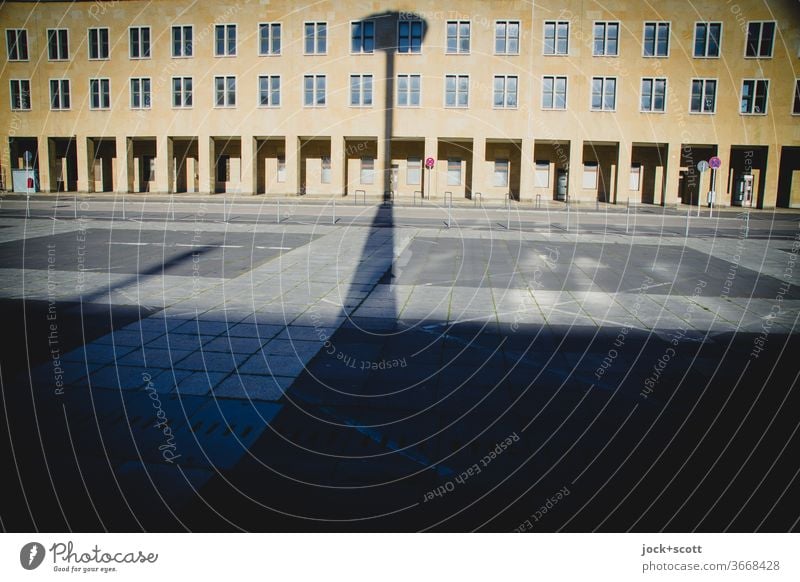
(613, 101)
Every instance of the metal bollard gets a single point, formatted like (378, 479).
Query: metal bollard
(27, 206)
(449, 209)
(747, 224)
(627, 219)
(123, 208)
(278, 213)
(76, 208)
(334, 211)
(688, 214)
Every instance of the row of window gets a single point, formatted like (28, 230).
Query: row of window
(653, 95)
(606, 35)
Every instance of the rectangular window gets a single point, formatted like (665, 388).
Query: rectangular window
(457, 37)
(181, 91)
(225, 91)
(654, 95)
(59, 94)
(361, 90)
(362, 37)
(98, 43)
(414, 171)
(606, 39)
(604, 93)
(707, 36)
(225, 40)
(100, 94)
(281, 177)
(456, 91)
(314, 90)
(140, 93)
(454, 171)
(140, 42)
(760, 39)
(325, 177)
(656, 39)
(316, 34)
(408, 90)
(17, 44)
(367, 170)
(500, 178)
(554, 92)
(505, 91)
(506, 37)
(269, 38)
(20, 94)
(269, 90)
(57, 44)
(409, 36)
(541, 177)
(589, 176)
(796, 107)
(556, 37)
(635, 180)
(182, 41)
(754, 96)
(704, 96)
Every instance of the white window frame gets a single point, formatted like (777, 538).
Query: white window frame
(506, 93)
(760, 34)
(270, 25)
(142, 105)
(605, 24)
(101, 106)
(704, 80)
(59, 58)
(556, 24)
(366, 176)
(653, 94)
(183, 43)
(326, 173)
(317, 24)
(658, 24)
(280, 173)
(141, 56)
(457, 76)
(270, 91)
(361, 77)
(183, 92)
(504, 179)
(460, 181)
(314, 93)
(409, 76)
(17, 32)
(361, 50)
(595, 173)
(458, 37)
(566, 92)
(507, 37)
(413, 164)
(541, 168)
(755, 88)
(18, 82)
(99, 30)
(226, 92)
(707, 24)
(602, 107)
(411, 22)
(61, 83)
(635, 175)
(226, 27)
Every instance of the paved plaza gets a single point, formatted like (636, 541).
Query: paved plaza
(219, 365)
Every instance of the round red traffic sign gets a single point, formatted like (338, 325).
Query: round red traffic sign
(715, 162)
(429, 163)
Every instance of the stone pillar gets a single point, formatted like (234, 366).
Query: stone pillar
(164, 177)
(292, 185)
(43, 158)
(526, 170)
(770, 175)
(479, 173)
(205, 164)
(84, 150)
(622, 191)
(338, 162)
(575, 176)
(248, 165)
(124, 165)
(672, 173)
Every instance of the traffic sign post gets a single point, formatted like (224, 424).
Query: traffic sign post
(429, 164)
(715, 164)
